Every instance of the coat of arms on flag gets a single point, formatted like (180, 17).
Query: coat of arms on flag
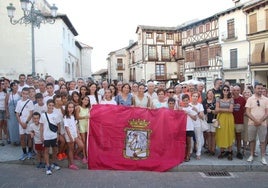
(137, 140)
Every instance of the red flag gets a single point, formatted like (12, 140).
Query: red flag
(132, 138)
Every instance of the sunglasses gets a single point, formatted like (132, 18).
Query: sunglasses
(258, 103)
(225, 89)
(184, 87)
(171, 92)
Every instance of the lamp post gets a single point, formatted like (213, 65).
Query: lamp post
(33, 16)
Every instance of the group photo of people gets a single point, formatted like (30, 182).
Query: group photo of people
(50, 119)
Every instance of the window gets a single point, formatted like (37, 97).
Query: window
(258, 53)
(207, 27)
(165, 53)
(152, 53)
(120, 76)
(233, 58)
(204, 56)
(194, 31)
(160, 70)
(266, 17)
(189, 56)
(120, 64)
(197, 57)
(201, 29)
(169, 36)
(231, 28)
(188, 33)
(253, 23)
(160, 37)
(133, 57)
(149, 35)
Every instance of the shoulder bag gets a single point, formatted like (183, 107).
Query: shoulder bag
(52, 127)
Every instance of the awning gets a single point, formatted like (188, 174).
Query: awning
(256, 55)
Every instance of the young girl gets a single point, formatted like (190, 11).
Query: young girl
(108, 98)
(93, 95)
(82, 114)
(198, 107)
(191, 118)
(72, 136)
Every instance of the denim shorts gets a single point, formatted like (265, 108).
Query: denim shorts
(3, 115)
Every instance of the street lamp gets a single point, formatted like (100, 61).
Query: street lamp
(33, 16)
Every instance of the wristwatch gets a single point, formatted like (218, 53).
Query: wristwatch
(27, 122)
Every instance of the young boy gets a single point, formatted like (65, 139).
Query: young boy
(24, 111)
(35, 134)
(40, 106)
(50, 138)
(50, 92)
(191, 117)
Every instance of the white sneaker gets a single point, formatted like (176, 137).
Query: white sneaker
(263, 161)
(250, 159)
(48, 171)
(55, 166)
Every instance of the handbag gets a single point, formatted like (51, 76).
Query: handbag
(204, 125)
(215, 123)
(52, 127)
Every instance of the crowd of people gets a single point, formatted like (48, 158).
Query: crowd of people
(39, 114)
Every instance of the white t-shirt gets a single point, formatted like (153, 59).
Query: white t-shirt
(46, 98)
(27, 109)
(2, 100)
(71, 124)
(157, 104)
(199, 108)
(93, 100)
(190, 121)
(108, 102)
(54, 119)
(40, 109)
(36, 129)
(59, 112)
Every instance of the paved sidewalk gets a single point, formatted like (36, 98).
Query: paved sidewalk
(11, 154)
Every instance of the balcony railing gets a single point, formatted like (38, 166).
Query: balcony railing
(163, 77)
(120, 67)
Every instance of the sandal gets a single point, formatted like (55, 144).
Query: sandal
(221, 155)
(187, 159)
(230, 155)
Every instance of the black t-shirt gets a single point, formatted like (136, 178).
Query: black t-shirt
(211, 106)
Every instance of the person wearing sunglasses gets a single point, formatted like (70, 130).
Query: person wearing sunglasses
(225, 135)
(257, 112)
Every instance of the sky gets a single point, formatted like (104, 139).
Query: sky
(109, 25)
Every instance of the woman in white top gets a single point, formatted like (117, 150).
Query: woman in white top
(94, 97)
(140, 99)
(11, 102)
(198, 107)
(108, 98)
(160, 102)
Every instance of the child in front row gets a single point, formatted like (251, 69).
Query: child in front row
(35, 134)
(49, 137)
(191, 117)
(72, 135)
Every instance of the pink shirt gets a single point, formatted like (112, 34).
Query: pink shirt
(257, 111)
